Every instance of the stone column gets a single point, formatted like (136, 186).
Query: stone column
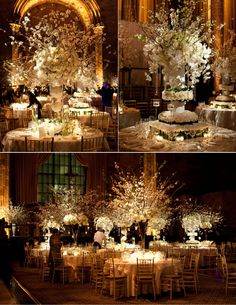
(150, 166)
(99, 57)
(4, 180)
(15, 29)
(217, 11)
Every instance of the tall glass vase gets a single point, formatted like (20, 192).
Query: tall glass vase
(56, 93)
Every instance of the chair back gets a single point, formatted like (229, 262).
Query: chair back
(100, 120)
(145, 267)
(87, 259)
(46, 144)
(224, 266)
(92, 144)
(12, 123)
(194, 261)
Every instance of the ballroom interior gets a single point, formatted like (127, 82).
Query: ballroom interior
(117, 152)
(205, 182)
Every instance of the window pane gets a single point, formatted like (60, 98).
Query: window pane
(60, 170)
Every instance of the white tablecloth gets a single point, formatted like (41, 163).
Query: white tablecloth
(129, 118)
(130, 269)
(135, 139)
(186, 251)
(14, 140)
(225, 118)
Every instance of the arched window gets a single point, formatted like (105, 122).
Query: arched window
(60, 170)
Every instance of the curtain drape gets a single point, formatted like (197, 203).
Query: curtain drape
(25, 178)
(96, 171)
(25, 174)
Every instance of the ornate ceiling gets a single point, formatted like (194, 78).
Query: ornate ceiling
(88, 11)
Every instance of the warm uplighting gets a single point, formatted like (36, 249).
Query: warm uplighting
(84, 10)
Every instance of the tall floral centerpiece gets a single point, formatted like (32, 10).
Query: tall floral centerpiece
(67, 206)
(224, 67)
(135, 200)
(177, 40)
(15, 215)
(196, 216)
(61, 53)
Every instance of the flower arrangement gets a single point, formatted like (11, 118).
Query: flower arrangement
(197, 216)
(70, 219)
(133, 199)
(60, 52)
(68, 206)
(19, 71)
(209, 218)
(224, 64)
(14, 214)
(191, 222)
(103, 222)
(176, 40)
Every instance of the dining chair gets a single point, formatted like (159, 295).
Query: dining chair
(100, 120)
(145, 275)
(45, 144)
(84, 269)
(60, 268)
(30, 259)
(97, 273)
(115, 283)
(92, 144)
(12, 123)
(229, 277)
(190, 273)
(45, 270)
(174, 279)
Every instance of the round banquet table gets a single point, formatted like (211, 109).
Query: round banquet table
(205, 252)
(161, 267)
(225, 118)
(14, 140)
(38, 252)
(136, 139)
(130, 117)
(84, 116)
(73, 260)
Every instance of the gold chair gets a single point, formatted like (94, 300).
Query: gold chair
(100, 120)
(114, 282)
(92, 144)
(46, 144)
(59, 267)
(12, 123)
(145, 275)
(228, 276)
(30, 260)
(45, 270)
(174, 279)
(84, 269)
(190, 274)
(97, 273)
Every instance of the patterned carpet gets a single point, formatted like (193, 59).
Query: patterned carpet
(211, 292)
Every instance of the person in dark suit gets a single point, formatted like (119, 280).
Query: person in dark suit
(33, 101)
(106, 93)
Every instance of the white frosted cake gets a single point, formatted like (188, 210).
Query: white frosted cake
(185, 117)
(186, 95)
